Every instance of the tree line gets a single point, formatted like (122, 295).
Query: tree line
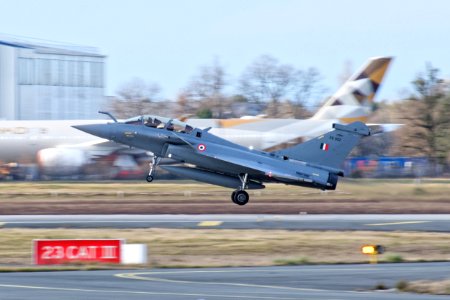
(279, 90)
(425, 116)
(282, 91)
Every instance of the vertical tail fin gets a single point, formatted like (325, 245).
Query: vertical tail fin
(330, 149)
(352, 101)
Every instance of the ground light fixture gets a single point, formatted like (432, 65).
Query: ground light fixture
(373, 251)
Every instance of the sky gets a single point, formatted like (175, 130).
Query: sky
(168, 41)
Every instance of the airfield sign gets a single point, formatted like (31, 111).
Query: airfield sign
(46, 252)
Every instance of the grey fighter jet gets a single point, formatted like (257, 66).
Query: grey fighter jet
(208, 158)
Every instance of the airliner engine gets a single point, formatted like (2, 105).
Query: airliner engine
(61, 161)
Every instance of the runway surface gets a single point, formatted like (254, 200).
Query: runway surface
(435, 223)
(334, 282)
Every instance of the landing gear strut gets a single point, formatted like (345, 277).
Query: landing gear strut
(153, 164)
(240, 196)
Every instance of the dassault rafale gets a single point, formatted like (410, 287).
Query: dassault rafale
(205, 157)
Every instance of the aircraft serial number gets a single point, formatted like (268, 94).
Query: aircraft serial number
(337, 139)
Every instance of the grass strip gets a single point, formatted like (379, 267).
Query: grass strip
(226, 247)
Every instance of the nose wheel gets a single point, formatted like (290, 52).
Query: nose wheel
(152, 165)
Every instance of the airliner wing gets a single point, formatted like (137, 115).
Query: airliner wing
(96, 143)
(102, 147)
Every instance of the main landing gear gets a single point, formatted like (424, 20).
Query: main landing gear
(153, 164)
(240, 196)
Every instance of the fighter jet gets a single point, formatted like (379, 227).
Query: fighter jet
(208, 158)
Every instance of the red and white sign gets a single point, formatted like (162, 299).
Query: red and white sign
(47, 252)
(201, 147)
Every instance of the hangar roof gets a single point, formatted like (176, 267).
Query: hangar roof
(49, 47)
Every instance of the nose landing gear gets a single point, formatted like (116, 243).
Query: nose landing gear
(153, 165)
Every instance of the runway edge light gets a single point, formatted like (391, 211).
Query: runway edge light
(373, 249)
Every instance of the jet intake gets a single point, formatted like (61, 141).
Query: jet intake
(210, 177)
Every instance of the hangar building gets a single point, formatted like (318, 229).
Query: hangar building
(47, 81)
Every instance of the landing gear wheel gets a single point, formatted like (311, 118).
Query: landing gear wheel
(240, 197)
(232, 196)
(149, 178)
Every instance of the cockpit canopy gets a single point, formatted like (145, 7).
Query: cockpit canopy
(160, 122)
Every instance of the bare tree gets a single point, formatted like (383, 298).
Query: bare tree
(134, 98)
(266, 80)
(307, 87)
(184, 107)
(208, 87)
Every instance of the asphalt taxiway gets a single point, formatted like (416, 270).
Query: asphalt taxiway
(421, 222)
(335, 282)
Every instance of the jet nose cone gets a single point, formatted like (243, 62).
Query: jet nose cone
(100, 130)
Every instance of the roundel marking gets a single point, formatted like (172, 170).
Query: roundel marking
(201, 147)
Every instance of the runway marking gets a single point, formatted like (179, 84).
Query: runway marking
(138, 276)
(210, 223)
(139, 292)
(242, 270)
(398, 223)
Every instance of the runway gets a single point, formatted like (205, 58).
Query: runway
(426, 222)
(336, 282)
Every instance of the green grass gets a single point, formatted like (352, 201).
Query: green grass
(394, 258)
(401, 285)
(292, 261)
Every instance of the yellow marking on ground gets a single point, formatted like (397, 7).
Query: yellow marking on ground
(138, 276)
(225, 270)
(209, 223)
(398, 223)
(146, 276)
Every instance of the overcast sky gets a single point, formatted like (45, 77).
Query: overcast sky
(166, 41)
